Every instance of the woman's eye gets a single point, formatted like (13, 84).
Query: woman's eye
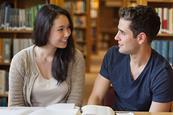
(69, 27)
(60, 29)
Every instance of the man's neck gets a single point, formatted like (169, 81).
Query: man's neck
(138, 61)
(141, 57)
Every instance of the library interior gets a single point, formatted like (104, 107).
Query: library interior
(95, 26)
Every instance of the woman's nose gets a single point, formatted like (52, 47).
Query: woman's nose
(67, 32)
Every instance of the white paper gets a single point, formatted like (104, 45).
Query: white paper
(55, 112)
(61, 106)
(17, 110)
(55, 109)
(58, 109)
(124, 113)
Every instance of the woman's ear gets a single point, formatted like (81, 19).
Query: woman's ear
(141, 38)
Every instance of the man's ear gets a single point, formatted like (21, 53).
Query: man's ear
(141, 38)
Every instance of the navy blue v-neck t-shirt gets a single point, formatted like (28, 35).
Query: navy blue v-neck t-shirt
(153, 84)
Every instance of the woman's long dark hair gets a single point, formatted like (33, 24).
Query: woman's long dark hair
(42, 26)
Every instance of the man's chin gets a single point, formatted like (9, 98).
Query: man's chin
(123, 51)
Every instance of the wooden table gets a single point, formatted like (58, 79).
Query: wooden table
(143, 113)
(156, 113)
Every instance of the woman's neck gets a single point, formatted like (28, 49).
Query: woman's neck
(45, 53)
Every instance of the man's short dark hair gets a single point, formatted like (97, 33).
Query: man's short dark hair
(143, 19)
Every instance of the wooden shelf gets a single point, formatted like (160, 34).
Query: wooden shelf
(3, 94)
(109, 30)
(4, 66)
(165, 36)
(15, 31)
(80, 28)
(80, 11)
(114, 3)
(79, 14)
(161, 1)
(163, 4)
(15, 34)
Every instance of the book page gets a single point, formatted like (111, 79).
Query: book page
(56, 112)
(17, 110)
(61, 106)
(97, 110)
(124, 113)
(55, 109)
(58, 109)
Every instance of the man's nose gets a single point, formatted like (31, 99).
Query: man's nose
(117, 36)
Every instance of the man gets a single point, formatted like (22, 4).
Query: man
(142, 79)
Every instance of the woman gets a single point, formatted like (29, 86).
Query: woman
(52, 70)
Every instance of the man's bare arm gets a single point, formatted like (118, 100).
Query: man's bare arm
(160, 107)
(100, 88)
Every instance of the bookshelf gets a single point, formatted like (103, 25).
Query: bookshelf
(108, 30)
(108, 22)
(168, 4)
(13, 33)
(94, 10)
(130, 2)
(80, 12)
(163, 43)
(108, 26)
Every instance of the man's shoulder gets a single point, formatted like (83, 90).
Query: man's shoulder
(114, 52)
(113, 49)
(159, 60)
(114, 57)
(160, 66)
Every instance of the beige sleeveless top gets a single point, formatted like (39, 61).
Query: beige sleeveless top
(48, 91)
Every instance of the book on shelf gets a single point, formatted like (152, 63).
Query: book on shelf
(68, 6)
(3, 102)
(7, 50)
(164, 48)
(18, 19)
(170, 57)
(79, 21)
(3, 82)
(1, 50)
(79, 7)
(166, 18)
(19, 44)
(79, 36)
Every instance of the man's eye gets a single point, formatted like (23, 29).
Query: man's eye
(122, 32)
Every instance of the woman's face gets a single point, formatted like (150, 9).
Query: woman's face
(60, 32)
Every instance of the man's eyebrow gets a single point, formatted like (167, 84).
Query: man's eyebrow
(120, 30)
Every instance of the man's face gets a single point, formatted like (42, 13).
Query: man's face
(126, 42)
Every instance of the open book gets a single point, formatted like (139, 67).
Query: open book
(55, 109)
(61, 109)
(58, 109)
(97, 110)
(101, 110)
